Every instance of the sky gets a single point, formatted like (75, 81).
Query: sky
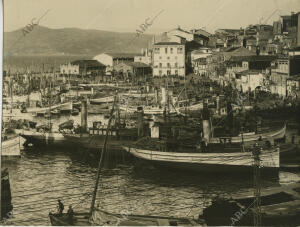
(128, 15)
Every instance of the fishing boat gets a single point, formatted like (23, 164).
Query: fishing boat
(252, 136)
(42, 110)
(101, 217)
(154, 110)
(203, 155)
(108, 99)
(43, 138)
(10, 145)
(6, 206)
(279, 206)
(10, 141)
(197, 160)
(104, 218)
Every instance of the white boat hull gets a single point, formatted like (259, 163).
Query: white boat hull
(153, 111)
(11, 147)
(236, 160)
(63, 107)
(109, 99)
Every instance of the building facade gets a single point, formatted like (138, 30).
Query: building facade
(168, 59)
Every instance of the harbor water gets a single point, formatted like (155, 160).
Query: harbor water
(40, 177)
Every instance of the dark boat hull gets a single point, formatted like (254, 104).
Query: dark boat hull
(6, 206)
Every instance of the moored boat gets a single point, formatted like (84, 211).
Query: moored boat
(104, 218)
(250, 137)
(10, 147)
(209, 162)
(108, 99)
(6, 206)
(279, 206)
(10, 144)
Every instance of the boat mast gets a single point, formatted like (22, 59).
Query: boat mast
(11, 96)
(257, 202)
(101, 157)
(50, 102)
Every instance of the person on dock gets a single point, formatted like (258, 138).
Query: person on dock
(60, 207)
(70, 215)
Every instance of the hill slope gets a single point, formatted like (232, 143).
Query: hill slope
(71, 41)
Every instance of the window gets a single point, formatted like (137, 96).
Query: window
(159, 57)
(169, 72)
(166, 50)
(168, 65)
(171, 50)
(160, 65)
(176, 72)
(179, 50)
(168, 58)
(160, 72)
(176, 64)
(157, 50)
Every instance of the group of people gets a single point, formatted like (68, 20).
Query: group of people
(70, 212)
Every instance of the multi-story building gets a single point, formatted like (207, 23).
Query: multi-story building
(168, 59)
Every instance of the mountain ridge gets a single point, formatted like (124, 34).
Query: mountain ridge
(71, 41)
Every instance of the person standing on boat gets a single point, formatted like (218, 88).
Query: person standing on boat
(70, 215)
(60, 207)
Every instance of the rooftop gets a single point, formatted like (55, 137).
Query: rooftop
(168, 43)
(252, 58)
(137, 64)
(87, 63)
(123, 55)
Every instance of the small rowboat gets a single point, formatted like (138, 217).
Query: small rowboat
(104, 218)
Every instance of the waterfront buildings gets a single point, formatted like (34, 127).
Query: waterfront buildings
(83, 67)
(112, 59)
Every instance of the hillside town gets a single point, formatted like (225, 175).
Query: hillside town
(198, 129)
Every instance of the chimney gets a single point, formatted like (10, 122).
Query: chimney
(84, 115)
(140, 122)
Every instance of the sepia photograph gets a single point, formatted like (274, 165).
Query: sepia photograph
(150, 113)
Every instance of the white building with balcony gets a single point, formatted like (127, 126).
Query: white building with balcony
(169, 59)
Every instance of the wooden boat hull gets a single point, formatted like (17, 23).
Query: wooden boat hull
(280, 206)
(62, 107)
(6, 206)
(103, 218)
(210, 162)
(277, 134)
(37, 139)
(11, 147)
(109, 99)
